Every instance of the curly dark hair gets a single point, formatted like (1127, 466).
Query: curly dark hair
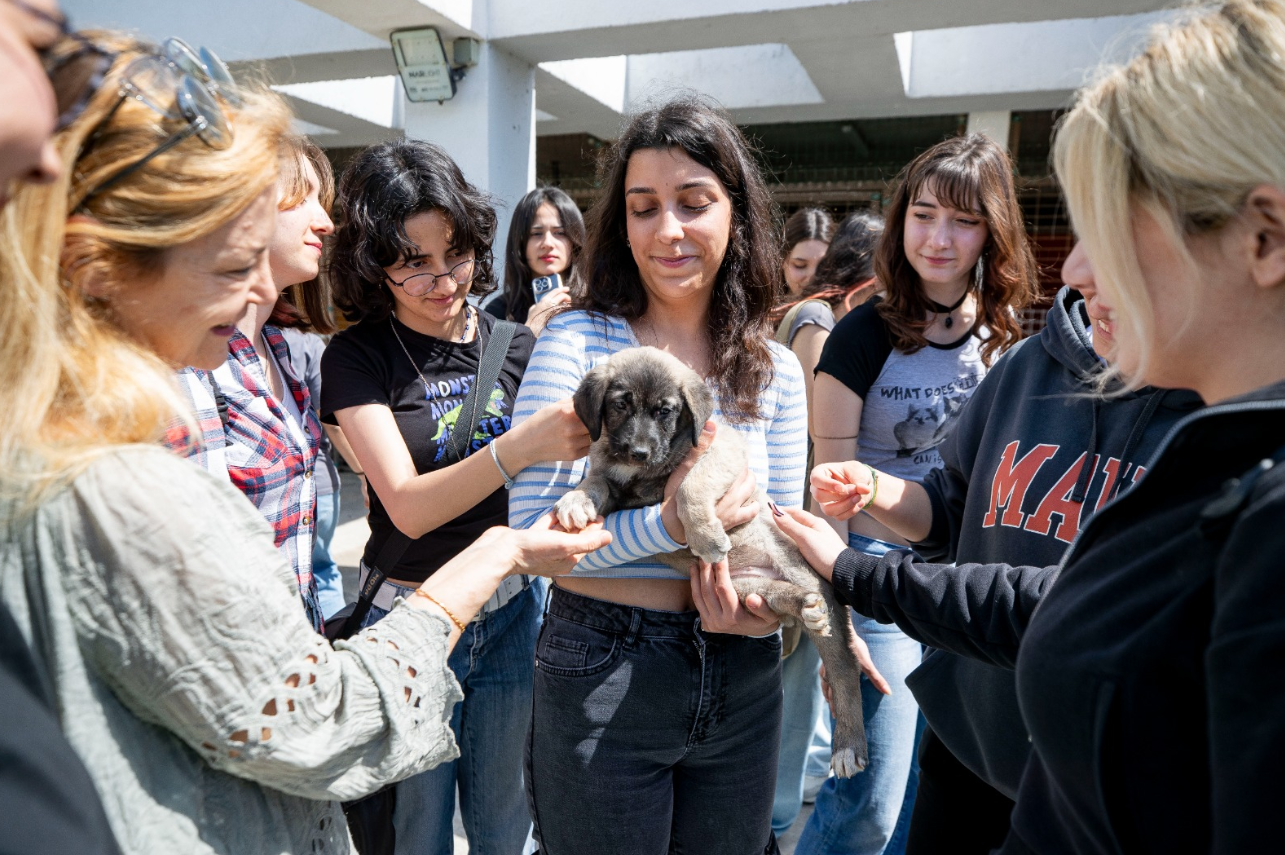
(966, 173)
(518, 298)
(749, 278)
(383, 187)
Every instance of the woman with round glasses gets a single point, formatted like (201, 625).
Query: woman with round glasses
(210, 715)
(412, 242)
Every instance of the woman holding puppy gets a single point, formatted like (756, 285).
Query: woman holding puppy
(650, 730)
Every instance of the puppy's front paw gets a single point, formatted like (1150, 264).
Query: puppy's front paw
(815, 614)
(846, 763)
(575, 511)
(709, 546)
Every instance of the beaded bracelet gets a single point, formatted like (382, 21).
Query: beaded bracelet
(420, 592)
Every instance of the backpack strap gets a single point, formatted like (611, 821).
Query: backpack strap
(488, 371)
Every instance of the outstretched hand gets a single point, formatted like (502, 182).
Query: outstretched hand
(841, 488)
(720, 607)
(548, 549)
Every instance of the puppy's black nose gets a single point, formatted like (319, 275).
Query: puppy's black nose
(639, 454)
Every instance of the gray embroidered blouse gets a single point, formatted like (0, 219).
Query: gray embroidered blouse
(211, 716)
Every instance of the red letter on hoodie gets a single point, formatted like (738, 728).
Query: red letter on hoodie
(1011, 481)
(1058, 501)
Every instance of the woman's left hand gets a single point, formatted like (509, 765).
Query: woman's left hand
(720, 607)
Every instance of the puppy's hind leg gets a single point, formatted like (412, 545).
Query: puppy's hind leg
(849, 753)
(788, 600)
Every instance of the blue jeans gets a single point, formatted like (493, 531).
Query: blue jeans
(493, 663)
(650, 736)
(803, 702)
(330, 585)
(868, 814)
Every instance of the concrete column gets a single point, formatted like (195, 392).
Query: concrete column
(993, 123)
(489, 129)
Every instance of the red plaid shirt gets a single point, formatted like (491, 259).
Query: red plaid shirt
(262, 450)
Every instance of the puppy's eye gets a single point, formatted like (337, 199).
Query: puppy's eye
(620, 404)
(663, 412)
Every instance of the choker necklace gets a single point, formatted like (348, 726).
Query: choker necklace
(392, 317)
(939, 309)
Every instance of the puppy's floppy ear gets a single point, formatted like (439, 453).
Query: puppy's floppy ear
(699, 401)
(589, 398)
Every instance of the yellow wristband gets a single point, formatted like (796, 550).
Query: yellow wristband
(420, 592)
(874, 489)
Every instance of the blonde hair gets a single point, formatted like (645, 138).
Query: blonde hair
(1183, 133)
(74, 383)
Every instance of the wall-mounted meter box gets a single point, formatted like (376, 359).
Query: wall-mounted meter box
(422, 63)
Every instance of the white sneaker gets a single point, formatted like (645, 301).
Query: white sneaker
(812, 786)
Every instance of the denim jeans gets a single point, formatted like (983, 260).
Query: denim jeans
(818, 765)
(803, 702)
(650, 736)
(330, 585)
(863, 815)
(493, 663)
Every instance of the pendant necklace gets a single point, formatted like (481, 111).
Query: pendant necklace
(939, 309)
(392, 317)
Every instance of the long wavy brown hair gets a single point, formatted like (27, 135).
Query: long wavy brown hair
(969, 173)
(748, 280)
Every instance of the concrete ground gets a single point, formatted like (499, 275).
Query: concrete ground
(346, 547)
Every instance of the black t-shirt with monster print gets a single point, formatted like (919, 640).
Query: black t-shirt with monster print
(909, 400)
(365, 364)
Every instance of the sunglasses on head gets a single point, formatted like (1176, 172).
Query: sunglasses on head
(181, 85)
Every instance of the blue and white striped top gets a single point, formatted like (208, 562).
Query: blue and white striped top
(571, 345)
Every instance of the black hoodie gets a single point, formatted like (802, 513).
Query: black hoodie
(1149, 666)
(1014, 490)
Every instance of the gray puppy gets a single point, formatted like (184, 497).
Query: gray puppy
(645, 410)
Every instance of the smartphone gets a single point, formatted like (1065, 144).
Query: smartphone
(543, 286)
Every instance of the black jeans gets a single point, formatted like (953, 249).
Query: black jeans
(649, 736)
(956, 812)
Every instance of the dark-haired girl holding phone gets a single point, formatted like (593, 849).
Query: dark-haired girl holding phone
(544, 242)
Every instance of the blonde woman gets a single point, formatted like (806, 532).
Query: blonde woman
(1149, 677)
(210, 715)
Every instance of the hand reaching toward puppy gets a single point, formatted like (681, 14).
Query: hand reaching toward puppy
(737, 506)
(548, 549)
(554, 432)
(814, 537)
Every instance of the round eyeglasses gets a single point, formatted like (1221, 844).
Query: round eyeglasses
(181, 85)
(419, 284)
